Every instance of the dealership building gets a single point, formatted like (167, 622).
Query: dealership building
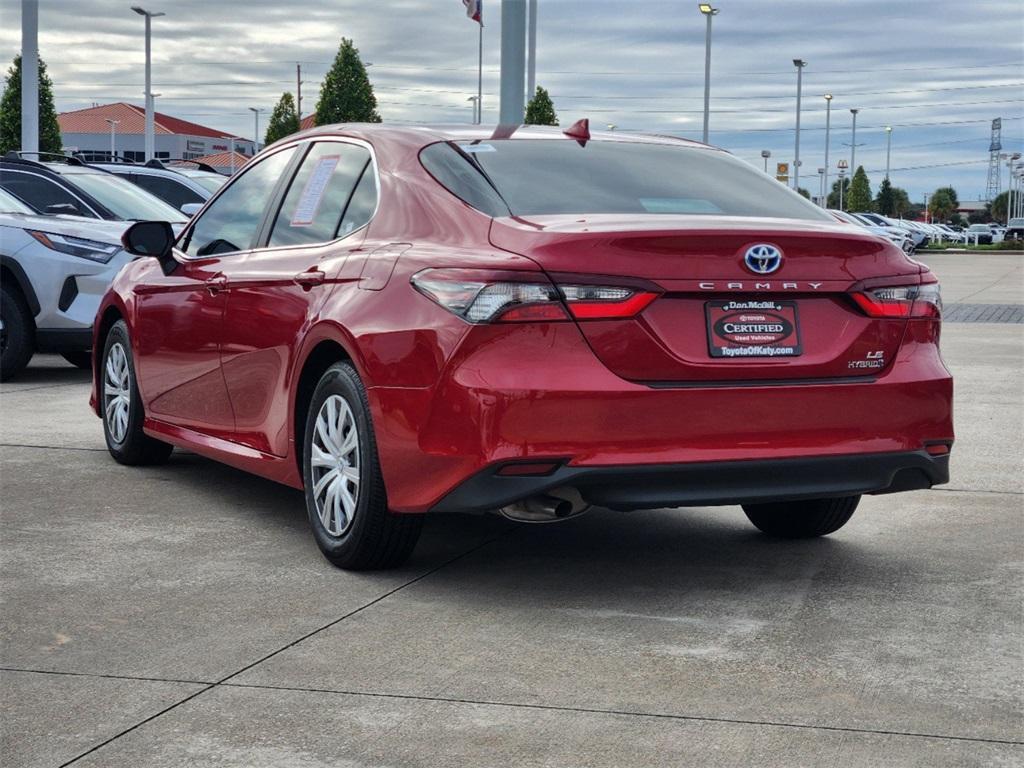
(91, 132)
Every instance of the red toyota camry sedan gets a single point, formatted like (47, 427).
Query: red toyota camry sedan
(401, 320)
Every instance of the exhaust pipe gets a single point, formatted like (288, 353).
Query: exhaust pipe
(560, 504)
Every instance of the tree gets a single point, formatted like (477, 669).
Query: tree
(284, 120)
(885, 201)
(952, 195)
(941, 204)
(541, 110)
(10, 112)
(803, 193)
(346, 95)
(901, 203)
(997, 208)
(860, 192)
(833, 196)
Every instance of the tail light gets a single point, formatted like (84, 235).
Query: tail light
(902, 301)
(506, 297)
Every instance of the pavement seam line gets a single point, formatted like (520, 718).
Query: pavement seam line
(8, 391)
(308, 635)
(51, 447)
(104, 676)
(627, 713)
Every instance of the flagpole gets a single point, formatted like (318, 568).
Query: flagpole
(480, 74)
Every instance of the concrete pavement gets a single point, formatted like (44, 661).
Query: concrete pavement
(182, 615)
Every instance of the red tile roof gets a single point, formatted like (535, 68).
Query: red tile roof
(132, 120)
(309, 121)
(223, 160)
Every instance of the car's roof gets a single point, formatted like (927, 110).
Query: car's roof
(430, 134)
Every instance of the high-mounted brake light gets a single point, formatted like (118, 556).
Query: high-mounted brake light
(478, 296)
(917, 301)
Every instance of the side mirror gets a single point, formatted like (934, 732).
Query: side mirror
(61, 208)
(191, 209)
(151, 238)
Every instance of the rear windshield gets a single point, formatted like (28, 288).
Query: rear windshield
(558, 176)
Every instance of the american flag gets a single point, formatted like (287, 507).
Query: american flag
(474, 10)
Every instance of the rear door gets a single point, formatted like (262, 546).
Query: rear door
(276, 291)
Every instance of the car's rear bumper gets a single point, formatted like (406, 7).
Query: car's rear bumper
(547, 398)
(708, 483)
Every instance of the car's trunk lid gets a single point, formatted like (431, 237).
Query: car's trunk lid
(712, 301)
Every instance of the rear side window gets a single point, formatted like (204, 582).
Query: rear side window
(313, 209)
(558, 176)
(40, 192)
(168, 190)
(462, 178)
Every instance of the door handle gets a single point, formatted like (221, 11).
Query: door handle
(308, 279)
(216, 284)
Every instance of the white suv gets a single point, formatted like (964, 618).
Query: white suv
(53, 272)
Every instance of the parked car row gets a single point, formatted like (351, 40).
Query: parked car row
(61, 222)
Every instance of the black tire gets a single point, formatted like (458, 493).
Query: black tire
(18, 336)
(136, 448)
(802, 519)
(79, 359)
(374, 538)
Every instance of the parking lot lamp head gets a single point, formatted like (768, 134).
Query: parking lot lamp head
(708, 11)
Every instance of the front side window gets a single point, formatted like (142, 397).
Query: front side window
(232, 221)
(40, 192)
(558, 176)
(313, 209)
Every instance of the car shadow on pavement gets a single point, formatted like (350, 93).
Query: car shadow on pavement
(678, 547)
(57, 372)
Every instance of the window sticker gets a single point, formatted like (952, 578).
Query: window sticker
(313, 192)
(472, 148)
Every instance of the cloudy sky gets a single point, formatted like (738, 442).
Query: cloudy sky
(937, 71)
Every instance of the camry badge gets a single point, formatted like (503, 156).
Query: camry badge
(762, 259)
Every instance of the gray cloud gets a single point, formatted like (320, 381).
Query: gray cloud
(937, 71)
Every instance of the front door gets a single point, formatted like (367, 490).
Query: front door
(180, 316)
(276, 291)
(177, 337)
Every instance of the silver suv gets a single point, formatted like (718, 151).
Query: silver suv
(53, 272)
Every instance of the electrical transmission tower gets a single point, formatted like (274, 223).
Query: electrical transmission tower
(992, 189)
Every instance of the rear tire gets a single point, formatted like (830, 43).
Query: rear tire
(345, 496)
(122, 413)
(79, 359)
(802, 519)
(17, 334)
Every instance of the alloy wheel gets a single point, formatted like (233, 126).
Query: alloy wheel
(117, 393)
(335, 465)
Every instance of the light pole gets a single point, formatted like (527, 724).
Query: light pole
(513, 61)
(150, 137)
(475, 101)
(853, 142)
(29, 75)
(708, 11)
(1010, 186)
(821, 188)
(828, 129)
(842, 176)
(255, 129)
(889, 147)
(799, 64)
(113, 129)
(765, 154)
